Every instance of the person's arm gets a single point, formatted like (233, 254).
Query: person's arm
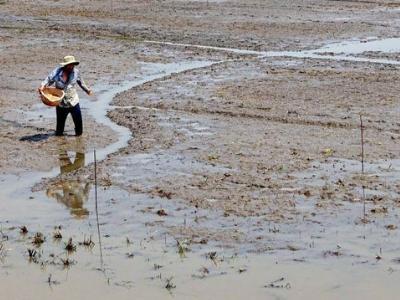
(83, 85)
(49, 79)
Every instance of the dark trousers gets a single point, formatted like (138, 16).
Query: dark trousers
(62, 114)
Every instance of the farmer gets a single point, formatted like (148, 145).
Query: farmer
(65, 77)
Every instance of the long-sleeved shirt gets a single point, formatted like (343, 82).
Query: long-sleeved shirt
(71, 97)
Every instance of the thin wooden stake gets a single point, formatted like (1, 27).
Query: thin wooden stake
(362, 144)
(362, 163)
(96, 208)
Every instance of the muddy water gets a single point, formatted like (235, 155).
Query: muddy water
(391, 45)
(245, 277)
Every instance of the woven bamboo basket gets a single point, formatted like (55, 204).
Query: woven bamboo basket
(51, 96)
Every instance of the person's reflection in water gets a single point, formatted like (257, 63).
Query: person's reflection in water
(71, 192)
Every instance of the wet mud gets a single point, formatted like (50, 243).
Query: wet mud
(228, 151)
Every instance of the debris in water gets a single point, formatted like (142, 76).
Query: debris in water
(212, 157)
(23, 230)
(391, 227)
(38, 239)
(332, 253)
(106, 180)
(274, 284)
(162, 213)
(163, 194)
(363, 220)
(379, 210)
(293, 248)
(203, 241)
(327, 152)
(203, 273)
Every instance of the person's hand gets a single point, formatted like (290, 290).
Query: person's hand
(90, 93)
(40, 89)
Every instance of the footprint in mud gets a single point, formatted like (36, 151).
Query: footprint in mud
(71, 192)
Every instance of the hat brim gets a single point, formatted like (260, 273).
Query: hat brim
(70, 63)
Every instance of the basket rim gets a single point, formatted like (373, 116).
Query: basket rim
(52, 88)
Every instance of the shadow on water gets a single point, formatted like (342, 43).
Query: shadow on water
(41, 137)
(36, 137)
(73, 193)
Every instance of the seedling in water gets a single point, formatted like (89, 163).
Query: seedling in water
(67, 262)
(3, 252)
(182, 247)
(4, 237)
(50, 281)
(70, 247)
(203, 273)
(32, 253)
(38, 239)
(57, 235)
(87, 242)
(33, 256)
(169, 284)
(213, 256)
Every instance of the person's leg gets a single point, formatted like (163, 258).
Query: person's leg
(62, 114)
(77, 118)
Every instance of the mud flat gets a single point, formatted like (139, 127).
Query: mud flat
(228, 149)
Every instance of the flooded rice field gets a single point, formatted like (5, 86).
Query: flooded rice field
(222, 157)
